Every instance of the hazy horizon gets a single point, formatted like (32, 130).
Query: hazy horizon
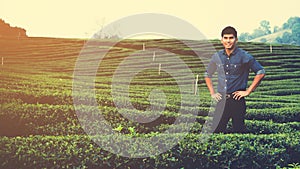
(69, 19)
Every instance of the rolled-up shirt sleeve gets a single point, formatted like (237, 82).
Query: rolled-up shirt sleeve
(256, 67)
(262, 71)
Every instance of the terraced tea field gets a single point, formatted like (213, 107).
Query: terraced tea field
(39, 126)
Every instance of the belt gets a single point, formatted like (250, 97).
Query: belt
(228, 95)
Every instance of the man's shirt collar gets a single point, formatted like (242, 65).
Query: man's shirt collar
(233, 53)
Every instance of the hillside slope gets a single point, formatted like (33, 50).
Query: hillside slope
(6, 31)
(271, 38)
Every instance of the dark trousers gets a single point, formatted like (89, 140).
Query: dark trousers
(227, 109)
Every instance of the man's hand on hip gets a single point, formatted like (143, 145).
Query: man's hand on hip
(237, 95)
(217, 97)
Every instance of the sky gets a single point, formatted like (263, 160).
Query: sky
(82, 19)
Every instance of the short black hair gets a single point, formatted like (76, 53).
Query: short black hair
(229, 30)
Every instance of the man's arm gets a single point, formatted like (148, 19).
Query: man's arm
(256, 81)
(211, 68)
(209, 84)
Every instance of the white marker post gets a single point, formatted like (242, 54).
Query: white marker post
(154, 56)
(196, 84)
(271, 48)
(159, 68)
(144, 47)
(2, 62)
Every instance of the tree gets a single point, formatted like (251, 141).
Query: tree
(111, 32)
(258, 33)
(286, 37)
(291, 30)
(291, 22)
(245, 37)
(265, 27)
(276, 29)
(11, 32)
(296, 33)
(278, 40)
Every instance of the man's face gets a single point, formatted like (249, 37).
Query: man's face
(229, 41)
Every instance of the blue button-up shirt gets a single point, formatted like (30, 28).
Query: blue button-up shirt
(233, 70)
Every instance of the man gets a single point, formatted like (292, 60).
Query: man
(233, 66)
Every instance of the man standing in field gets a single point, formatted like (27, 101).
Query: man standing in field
(233, 66)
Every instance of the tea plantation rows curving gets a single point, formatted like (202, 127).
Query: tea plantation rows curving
(39, 126)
